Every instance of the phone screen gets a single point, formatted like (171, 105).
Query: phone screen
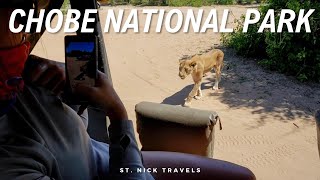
(80, 61)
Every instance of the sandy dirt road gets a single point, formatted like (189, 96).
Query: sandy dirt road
(267, 117)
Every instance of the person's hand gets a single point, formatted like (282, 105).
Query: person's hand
(45, 73)
(103, 95)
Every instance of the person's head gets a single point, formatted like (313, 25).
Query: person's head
(15, 47)
(14, 51)
(7, 38)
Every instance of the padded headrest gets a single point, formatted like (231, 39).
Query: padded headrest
(176, 114)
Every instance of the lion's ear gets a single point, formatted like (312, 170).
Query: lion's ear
(181, 63)
(193, 64)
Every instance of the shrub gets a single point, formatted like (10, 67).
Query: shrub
(222, 2)
(65, 6)
(296, 54)
(193, 3)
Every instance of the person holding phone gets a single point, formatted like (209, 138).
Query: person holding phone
(43, 138)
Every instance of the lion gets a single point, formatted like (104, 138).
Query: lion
(197, 66)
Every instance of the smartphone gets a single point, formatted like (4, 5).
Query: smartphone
(81, 59)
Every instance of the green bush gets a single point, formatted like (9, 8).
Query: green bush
(193, 3)
(296, 54)
(65, 4)
(225, 2)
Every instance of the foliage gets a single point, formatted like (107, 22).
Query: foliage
(65, 6)
(193, 3)
(296, 54)
(226, 2)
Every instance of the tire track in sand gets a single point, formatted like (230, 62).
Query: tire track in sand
(272, 156)
(243, 140)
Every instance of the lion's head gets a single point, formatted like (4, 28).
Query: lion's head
(186, 67)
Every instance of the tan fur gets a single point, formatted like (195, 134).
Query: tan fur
(197, 66)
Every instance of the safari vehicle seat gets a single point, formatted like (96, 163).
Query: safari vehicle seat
(163, 127)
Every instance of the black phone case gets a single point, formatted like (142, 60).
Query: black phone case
(68, 96)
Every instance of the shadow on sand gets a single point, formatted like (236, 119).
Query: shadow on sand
(178, 97)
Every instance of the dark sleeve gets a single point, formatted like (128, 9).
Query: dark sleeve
(125, 157)
(21, 169)
(29, 161)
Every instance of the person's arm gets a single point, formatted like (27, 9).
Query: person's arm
(28, 161)
(124, 152)
(16, 168)
(125, 157)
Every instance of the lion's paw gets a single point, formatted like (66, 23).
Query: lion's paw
(215, 88)
(198, 97)
(187, 104)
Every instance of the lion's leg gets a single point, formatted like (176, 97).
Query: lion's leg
(192, 94)
(218, 78)
(197, 78)
(199, 93)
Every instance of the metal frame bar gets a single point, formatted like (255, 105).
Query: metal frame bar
(98, 121)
